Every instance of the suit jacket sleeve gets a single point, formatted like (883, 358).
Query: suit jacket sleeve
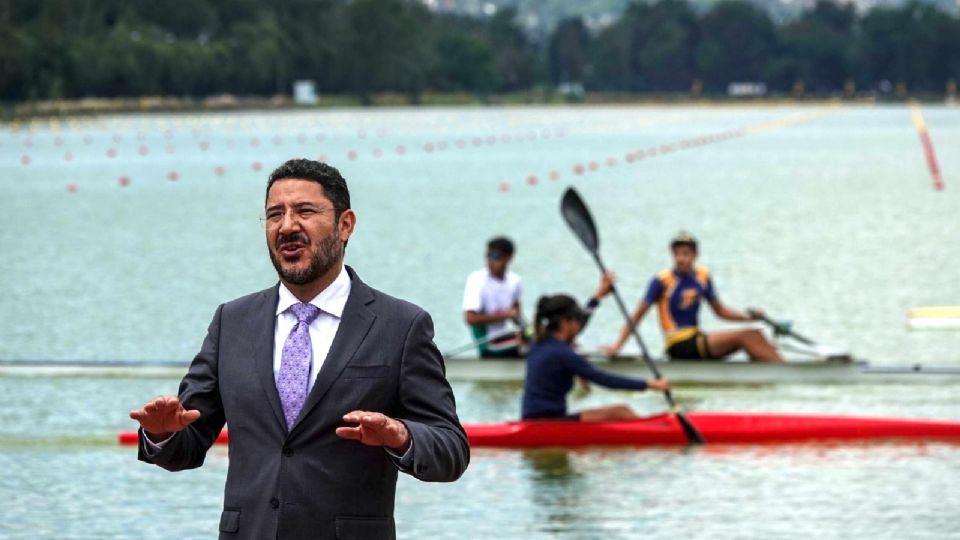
(199, 390)
(440, 449)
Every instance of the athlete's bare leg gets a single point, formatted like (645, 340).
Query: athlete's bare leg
(751, 341)
(613, 412)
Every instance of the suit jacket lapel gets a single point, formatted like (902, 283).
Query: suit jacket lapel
(262, 332)
(354, 325)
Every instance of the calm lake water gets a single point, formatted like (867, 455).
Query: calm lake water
(122, 234)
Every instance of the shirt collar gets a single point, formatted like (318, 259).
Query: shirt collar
(331, 300)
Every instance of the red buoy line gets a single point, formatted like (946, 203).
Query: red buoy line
(379, 149)
(929, 152)
(352, 154)
(640, 154)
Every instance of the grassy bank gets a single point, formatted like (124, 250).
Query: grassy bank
(31, 110)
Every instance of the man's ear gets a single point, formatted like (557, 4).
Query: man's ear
(348, 221)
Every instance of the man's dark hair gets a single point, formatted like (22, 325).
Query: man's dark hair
(683, 238)
(501, 244)
(334, 186)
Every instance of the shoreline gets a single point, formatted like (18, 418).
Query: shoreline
(70, 108)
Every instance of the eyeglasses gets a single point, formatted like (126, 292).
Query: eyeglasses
(495, 256)
(301, 214)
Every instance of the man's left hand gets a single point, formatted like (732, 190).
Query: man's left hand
(376, 429)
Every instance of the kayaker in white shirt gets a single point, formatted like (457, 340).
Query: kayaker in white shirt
(491, 303)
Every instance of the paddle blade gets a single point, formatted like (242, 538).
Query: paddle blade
(688, 428)
(577, 216)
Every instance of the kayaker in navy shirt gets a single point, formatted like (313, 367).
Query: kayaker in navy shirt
(552, 363)
(677, 292)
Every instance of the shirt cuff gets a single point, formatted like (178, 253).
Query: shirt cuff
(152, 447)
(404, 462)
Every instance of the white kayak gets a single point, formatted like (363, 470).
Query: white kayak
(934, 318)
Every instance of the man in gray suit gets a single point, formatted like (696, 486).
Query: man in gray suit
(328, 386)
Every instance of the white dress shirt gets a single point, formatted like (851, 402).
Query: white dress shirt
(323, 329)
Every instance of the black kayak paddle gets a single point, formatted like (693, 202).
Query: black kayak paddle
(577, 216)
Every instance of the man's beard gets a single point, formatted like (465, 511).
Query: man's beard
(329, 251)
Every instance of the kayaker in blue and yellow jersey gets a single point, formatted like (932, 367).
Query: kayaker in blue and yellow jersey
(677, 293)
(552, 364)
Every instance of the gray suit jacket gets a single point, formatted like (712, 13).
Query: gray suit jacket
(310, 483)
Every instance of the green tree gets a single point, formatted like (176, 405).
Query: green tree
(817, 49)
(915, 44)
(514, 59)
(665, 38)
(650, 48)
(568, 51)
(465, 63)
(737, 42)
(385, 50)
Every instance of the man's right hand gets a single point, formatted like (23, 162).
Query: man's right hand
(508, 314)
(162, 417)
(661, 385)
(610, 350)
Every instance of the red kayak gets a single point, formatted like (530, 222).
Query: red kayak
(717, 428)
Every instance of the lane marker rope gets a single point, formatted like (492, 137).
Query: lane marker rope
(929, 152)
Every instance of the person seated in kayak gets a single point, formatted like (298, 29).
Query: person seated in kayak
(491, 301)
(677, 293)
(552, 363)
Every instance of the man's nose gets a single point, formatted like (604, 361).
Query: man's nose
(289, 223)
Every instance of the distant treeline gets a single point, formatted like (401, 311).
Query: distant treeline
(52, 49)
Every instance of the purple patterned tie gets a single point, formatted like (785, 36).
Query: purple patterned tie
(295, 363)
